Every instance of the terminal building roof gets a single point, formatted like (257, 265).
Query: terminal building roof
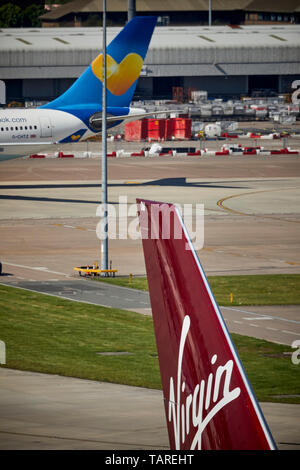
(182, 50)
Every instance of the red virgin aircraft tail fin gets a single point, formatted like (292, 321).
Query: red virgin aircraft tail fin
(209, 402)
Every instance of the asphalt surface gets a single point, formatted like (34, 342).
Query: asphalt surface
(251, 211)
(50, 412)
(93, 292)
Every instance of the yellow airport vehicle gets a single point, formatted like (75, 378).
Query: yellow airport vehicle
(95, 271)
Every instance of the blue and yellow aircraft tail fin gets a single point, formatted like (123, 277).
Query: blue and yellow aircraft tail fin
(125, 58)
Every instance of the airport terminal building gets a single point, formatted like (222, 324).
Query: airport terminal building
(38, 64)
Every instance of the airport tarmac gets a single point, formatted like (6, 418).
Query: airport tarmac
(47, 412)
(48, 225)
(251, 211)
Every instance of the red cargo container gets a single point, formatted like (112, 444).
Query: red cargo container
(136, 130)
(159, 129)
(168, 129)
(182, 128)
(156, 129)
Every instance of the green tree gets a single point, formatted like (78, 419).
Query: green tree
(31, 16)
(10, 16)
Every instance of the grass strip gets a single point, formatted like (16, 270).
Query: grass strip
(53, 335)
(269, 289)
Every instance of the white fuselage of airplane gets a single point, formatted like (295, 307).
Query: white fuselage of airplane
(26, 131)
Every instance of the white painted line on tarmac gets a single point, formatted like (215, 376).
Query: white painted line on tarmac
(35, 268)
(258, 318)
(273, 317)
(290, 332)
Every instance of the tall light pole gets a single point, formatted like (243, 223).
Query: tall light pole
(131, 9)
(209, 12)
(104, 240)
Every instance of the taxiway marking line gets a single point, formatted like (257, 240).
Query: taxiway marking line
(73, 226)
(35, 268)
(258, 318)
(250, 193)
(260, 314)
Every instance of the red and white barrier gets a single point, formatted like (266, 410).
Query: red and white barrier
(64, 155)
(235, 150)
(226, 149)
